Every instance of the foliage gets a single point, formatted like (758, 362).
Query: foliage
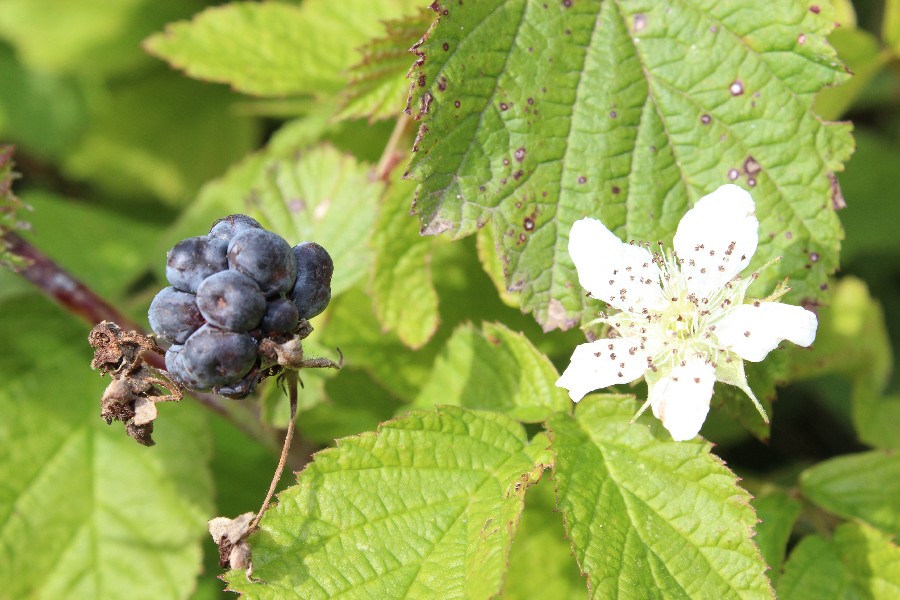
(443, 461)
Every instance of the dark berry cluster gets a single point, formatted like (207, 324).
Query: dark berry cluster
(230, 290)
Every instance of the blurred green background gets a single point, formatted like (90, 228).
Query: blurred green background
(114, 147)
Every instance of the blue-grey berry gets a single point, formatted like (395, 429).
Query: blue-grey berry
(281, 316)
(312, 290)
(228, 227)
(231, 300)
(213, 357)
(193, 260)
(266, 258)
(174, 315)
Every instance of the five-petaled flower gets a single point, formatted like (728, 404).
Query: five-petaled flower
(683, 322)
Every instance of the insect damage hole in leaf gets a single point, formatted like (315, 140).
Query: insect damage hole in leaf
(629, 114)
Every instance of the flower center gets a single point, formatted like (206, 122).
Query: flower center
(680, 319)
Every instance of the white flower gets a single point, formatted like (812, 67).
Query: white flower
(682, 321)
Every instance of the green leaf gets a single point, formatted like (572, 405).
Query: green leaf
(426, 507)
(859, 562)
(541, 558)
(630, 113)
(403, 291)
(777, 513)
(497, 369)
(378, 85)
(85, 512)
(864, 486)
(649, 517)
(275, 48)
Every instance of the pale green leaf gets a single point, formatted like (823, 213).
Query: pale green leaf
(864, 486)
(426, 507)
(629, 112)
(541, 559)
(859, 563)
(403, 291)
(649, 517)
(276, 48)
(85, 512)
(497, 369)
(777, 513)
(378, 85)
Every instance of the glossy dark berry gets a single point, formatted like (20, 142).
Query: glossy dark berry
(213, 357)
(312, 291)
(193, 260)
(231, 300)
(174, 315)
(281, 316)
(266, 258)
(228, 227)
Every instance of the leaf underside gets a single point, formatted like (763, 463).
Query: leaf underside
(535, 114)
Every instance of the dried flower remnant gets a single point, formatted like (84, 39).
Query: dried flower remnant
(683, 323)
(230, 535)
(136, 387)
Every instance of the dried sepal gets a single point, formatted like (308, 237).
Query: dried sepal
(136, 387)
(230, 535)
(116, 351)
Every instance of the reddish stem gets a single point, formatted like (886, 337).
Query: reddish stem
(58, 284)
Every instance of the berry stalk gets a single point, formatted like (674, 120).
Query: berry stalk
(291, 376)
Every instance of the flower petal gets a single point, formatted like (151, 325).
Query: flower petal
(681, 399)
(601, 364)
(754, 330)
(716, 239)
(622, 275)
